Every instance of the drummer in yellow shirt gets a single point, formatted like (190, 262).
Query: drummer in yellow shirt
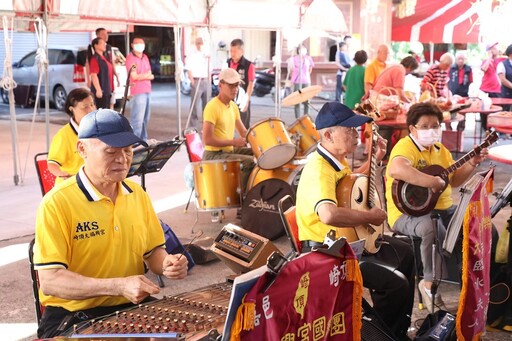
(221, 118)
(63, 158)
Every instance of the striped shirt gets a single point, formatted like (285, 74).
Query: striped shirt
(438, 78)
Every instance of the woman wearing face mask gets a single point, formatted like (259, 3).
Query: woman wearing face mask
(300, 67)
(140, 90)
(410, 155)
(63, 158)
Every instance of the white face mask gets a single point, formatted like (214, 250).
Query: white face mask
(139, 47)
(303, 52)
(427, 137)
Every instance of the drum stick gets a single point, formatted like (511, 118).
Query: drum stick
(187, 247)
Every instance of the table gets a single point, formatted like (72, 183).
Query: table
(501, 122)
(501, 154)
(400, 124)
(476, 107)
(501, 101)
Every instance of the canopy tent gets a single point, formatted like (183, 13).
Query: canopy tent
(440, 21)
(79, 15)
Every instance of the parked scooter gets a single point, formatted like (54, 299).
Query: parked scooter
(264, 82)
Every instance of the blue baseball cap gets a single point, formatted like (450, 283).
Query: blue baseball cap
(110, 127)
(336, 114)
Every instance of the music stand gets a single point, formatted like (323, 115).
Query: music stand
(503, 199)
(151, 159)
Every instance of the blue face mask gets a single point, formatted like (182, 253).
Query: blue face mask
(139, 47)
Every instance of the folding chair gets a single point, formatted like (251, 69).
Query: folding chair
(46, 178)
(35, 282)
(414, 241)
(289, 220)
(195, 151)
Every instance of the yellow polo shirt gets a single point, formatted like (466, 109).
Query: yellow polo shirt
(317, 185)
(420, 158)
(373, 70)
(223, 118)
(79, 229)
(63, 150)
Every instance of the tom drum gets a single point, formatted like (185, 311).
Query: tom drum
(271, 143)
(306, 135)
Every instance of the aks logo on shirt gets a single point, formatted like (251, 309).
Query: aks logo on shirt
(86, 226)
(87, 229)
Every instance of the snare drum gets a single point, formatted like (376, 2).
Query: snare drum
(306, 133)
(289, 173)
(271, 143)
(217, 184)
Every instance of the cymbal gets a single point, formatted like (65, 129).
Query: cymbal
(301, 95)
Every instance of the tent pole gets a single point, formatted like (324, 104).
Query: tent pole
(177, 74)
(431, 53)
(277, 63)
(127, 41)
(46, 87)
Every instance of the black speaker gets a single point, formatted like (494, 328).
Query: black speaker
(373, 328)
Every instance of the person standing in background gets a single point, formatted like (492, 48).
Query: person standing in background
(490, 81)
(103, 34)
(374, 69)
(102, 76)
(301, 66)
(461, 76)
(245, 69)
(197, 66)
(437, 76)
(504, 71)
(343, 63)
(354, 80)
(141, 78)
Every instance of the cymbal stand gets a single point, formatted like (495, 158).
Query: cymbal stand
(435, 281)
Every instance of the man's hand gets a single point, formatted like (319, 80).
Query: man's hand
(239, 142)
(137, 288)
(175, 266)
(381, 148)
(376, 216)
(438, 184)
(480, 157)
(99, 93)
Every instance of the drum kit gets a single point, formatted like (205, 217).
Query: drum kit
(280, 152)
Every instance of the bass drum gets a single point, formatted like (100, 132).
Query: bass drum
(260, 212)
(289, 173)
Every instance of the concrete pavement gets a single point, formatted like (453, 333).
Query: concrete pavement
(167, 189)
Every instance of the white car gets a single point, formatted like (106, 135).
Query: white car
(66, 71)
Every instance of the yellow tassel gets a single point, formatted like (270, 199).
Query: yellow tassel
(249, 315)
(244, 319)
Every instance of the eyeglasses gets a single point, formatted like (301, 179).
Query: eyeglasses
(353, 129)
(232, 86)
(435, 127)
